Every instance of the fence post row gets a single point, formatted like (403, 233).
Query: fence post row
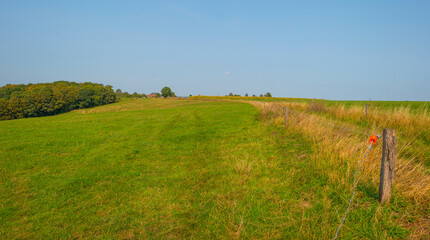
(388, 165)
(388, 162)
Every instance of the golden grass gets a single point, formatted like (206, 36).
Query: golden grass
(335, 147)
(412, 179)
(412, 122)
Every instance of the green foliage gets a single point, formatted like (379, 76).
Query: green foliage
(11, 90)
(268, 94)
(166, 92)
(44, 99)
(128, 95)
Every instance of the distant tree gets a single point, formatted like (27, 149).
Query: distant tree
(166, 92)
(246, 94)
(135, 95)
(118, 91)
(157, 95)
(253, 95)
(191, 95)
(173, 94)
(268, 94)
(261, 95)
(230, 94)
(126, 95)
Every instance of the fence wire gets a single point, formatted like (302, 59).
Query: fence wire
(358, 167)
(353, 191)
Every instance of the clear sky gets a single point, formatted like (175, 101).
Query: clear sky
(356, 50)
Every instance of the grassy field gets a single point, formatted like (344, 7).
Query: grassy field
(194, 169)
(413, 105)
(411, 120)
(336, 146)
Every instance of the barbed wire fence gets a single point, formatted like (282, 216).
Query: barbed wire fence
(387, 163)
(353, 191)
(372, 141)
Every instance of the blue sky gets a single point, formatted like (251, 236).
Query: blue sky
(355, 50)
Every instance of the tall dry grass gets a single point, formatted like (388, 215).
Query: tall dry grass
(412, 178)
(335, 147)
(411, 122)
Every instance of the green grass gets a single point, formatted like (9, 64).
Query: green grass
(414, 105)
(418, 137)
(174, 169)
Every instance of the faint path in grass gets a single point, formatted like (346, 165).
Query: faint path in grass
(128, 104)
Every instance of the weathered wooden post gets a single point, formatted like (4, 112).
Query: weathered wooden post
(286, 116)
(365, 111)
(388, 165)
(313, 104)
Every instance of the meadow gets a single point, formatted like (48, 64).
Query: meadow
(205, 168)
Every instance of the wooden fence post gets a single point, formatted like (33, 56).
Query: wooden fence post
(365, 111)
(286, 116)
(388, 165)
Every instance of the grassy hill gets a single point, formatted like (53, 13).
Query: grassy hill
(158, 168)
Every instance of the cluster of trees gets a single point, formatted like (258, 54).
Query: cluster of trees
(44, 99)
(119, 93)
(165, 92)
(246, 95)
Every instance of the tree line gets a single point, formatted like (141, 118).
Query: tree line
(44, 99)
(165, 92)
(246, 95)
(121, 94)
